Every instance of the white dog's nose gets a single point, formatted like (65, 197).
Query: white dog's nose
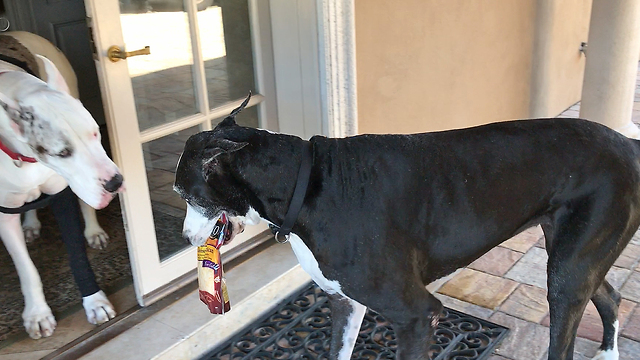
(114, 184)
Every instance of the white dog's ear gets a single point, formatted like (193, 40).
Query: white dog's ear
(14, 113)
(55, 80)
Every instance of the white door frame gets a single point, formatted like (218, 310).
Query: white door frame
(336, 66)
(315, 66)
(337, 31)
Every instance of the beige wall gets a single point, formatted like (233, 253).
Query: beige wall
(425, 65)
(561, 70)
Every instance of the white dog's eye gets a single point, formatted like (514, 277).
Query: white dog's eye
(64, 153)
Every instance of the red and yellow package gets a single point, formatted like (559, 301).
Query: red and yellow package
(211, 283)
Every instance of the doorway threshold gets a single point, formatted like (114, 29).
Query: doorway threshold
(179, 320)
(184, 329)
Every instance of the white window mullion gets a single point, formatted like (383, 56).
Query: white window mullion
(199, 74)
(262, 42)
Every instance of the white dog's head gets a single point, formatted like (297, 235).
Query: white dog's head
(63, 136)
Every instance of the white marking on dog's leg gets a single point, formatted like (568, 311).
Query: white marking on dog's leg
(98, 308)
(352, 329)
(96, 237)
(31, 226)
(309, 264)
(37, 316)
(610, 354)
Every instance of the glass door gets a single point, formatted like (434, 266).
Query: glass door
(189, 63)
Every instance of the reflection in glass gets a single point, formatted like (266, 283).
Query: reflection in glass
(162, 81)
(226, 48)
(161, 157)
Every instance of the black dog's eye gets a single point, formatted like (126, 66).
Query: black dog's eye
(209, 167)
(65, 153)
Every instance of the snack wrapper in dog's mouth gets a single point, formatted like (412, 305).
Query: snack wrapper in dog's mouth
(211, 283)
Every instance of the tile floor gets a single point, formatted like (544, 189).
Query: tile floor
(508, 286)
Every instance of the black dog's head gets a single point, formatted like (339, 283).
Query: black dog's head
(205, 180)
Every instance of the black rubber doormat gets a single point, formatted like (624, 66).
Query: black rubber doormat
(300, 328)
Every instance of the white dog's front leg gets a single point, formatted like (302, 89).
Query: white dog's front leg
(93, 232)
(37, 316)
(31, 226)
(98, 308)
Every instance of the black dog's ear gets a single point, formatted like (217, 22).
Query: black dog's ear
(231, 119)
(216, 148)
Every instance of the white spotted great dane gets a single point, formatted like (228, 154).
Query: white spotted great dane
(385, 215)
(50, 143)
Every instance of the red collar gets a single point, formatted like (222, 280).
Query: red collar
(18, 159)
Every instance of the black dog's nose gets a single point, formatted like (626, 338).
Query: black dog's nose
(114, 184)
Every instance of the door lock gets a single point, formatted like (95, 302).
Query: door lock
(115, 53)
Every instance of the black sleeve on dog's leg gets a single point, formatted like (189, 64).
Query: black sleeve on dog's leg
(66, 210)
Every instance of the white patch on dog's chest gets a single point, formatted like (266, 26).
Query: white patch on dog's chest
(20, 185)
(309, 264)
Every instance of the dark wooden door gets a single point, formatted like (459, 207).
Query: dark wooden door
(64, 23)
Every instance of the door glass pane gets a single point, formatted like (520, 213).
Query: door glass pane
(225, 35)
(163, 84)
(161, 158)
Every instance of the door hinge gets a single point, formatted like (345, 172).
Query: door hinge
(92, 42)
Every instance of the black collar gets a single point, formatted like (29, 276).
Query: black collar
(281, 233)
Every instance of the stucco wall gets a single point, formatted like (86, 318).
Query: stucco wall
(558, 64)
(571, 28)
(426, 65)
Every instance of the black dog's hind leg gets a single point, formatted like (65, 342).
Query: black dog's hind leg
(607, 299)
(567, 301)
(346, 319)
(67, 213)
(583, 243)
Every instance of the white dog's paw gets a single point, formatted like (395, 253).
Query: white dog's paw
(31, 227)
(30, 233)
(39, 322)
(98, 308)
(607, 354)
(96, 237)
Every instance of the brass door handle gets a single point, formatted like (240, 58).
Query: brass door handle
(115, 53)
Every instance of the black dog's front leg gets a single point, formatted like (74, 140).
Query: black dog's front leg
(346, 319)
(67, 213)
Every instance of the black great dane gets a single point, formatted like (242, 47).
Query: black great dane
(385, 215)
